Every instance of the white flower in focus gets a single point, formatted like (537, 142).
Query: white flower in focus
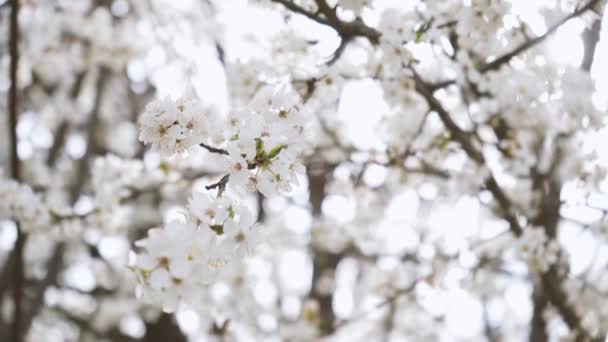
(241, 237)
(206, 210)
(174, 126)
(176, 263)
(237, 167)
(181, 260)
(265, 149)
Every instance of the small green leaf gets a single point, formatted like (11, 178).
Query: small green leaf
(259, 149)
(309, 314)
(217, 228)
(145, 274)
(275, 151)
(442, 141)
(419, 34)
(164, 167)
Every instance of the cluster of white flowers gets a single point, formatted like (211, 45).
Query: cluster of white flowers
(480, 24)
(409, 110)
(397, 29)
(174, 126)
(262, 150)
(265, 143)
(243, 80)
(19, 202)
(537, 250)
(181, 260)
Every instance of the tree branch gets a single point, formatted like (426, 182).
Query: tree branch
(15, 166)
(290, 5)
(214, 149)
(498, 62)
(82, 169)
(538, 325)
(53, 269)
(326, 15)
(62, 129)
(505, 58)
(550, 280)
(220, 185)
(591, 37)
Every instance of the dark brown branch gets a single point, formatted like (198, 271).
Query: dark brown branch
(63, 128)
(214, 149)
(551, 283)
(219, 185)
(53, 269)
(85, 326)
(261, 211)
(15, 167)
(290, 5)
(58, 141)
(326, 15)
(591, 37)
(456, 133)
(538, 325)
(12, 95)
(7, 271)
(165, 329)
(82, 170)
(324, 262)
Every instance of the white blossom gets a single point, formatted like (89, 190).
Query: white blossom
(174, 126)
(181, 260)
(18, 202)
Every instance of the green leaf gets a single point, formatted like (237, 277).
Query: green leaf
(145, 273)
(217, 228)
(442, 141)
(275, 151)
(259, 149)
(419, 34)
(164, 167)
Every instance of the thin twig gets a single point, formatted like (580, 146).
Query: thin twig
(326, 15)
(214, 149)
(388, 300)
(290, 5)
(92, 125)
(498, 62)
(505, 58)
(220, 185)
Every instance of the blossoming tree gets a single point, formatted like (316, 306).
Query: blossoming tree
(302, 170)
